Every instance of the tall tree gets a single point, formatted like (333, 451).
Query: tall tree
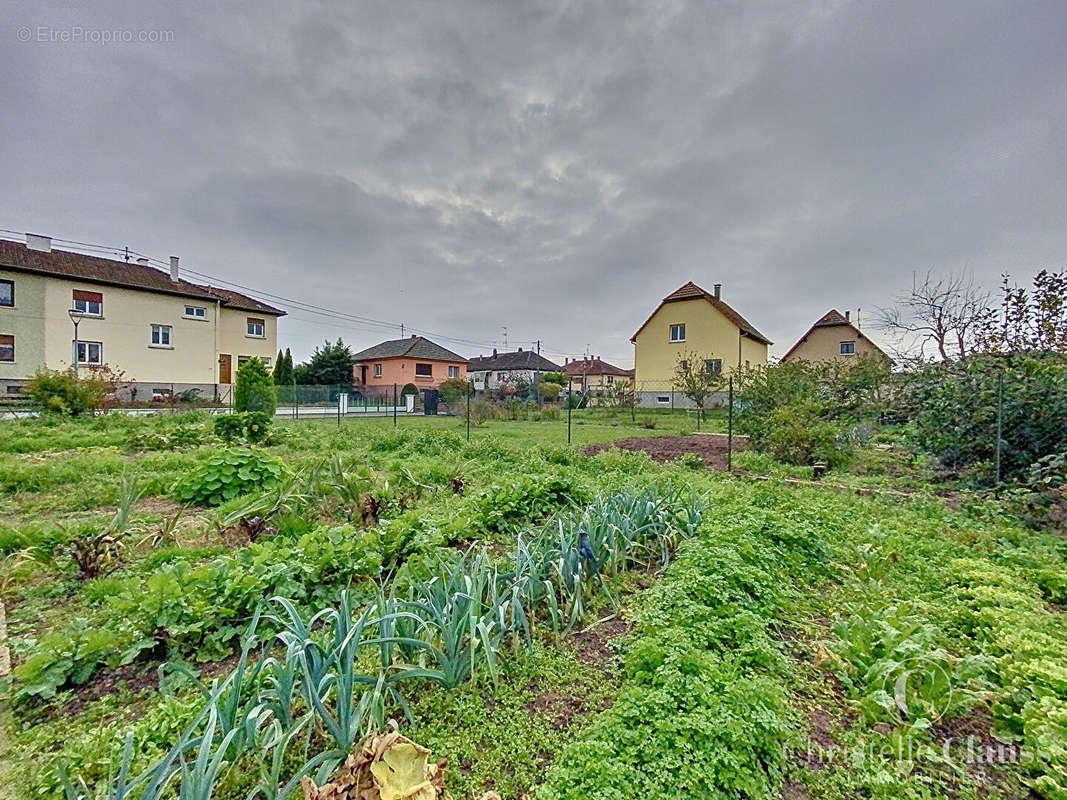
(283, 369)
(329, 365)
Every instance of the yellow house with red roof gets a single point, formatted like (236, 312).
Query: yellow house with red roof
(691, 321)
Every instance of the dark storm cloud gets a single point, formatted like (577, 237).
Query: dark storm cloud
(555, 168)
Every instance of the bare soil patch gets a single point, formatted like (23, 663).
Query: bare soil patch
(711, 447)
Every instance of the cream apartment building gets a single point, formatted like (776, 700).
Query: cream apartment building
(164, 333)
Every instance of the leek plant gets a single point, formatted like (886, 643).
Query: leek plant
(336, 674)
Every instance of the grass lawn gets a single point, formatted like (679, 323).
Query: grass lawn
(754, 638)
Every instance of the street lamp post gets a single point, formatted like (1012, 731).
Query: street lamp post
(75, 317)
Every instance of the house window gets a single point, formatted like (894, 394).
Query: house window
(377, 370)
(713, 366)
(161, 335)
(500, 376)
(677, 333)
(196, 312)
(7, 293)
(453, 372)
(256, 327)
(242, 360)
(90, 353)
(683, 365)
(7, 347)
(848, 348)
(424, 370)
(663, 398)
(91, 303)
(14, 388)
(611, 379)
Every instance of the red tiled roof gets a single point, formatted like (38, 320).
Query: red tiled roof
(413, 347)
(233, 299)
(594, 366)
(831, 319)
(94, 269)
(693, 292)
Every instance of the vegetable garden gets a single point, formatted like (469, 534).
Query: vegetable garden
(199, 609)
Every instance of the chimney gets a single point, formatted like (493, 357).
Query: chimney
(847, 315)
(413, 336)
(520, 349)
(494, 352)
(37, 242)
(566, 361)
(718, 291)
(174, 268)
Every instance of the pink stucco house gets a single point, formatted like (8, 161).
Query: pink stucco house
(416, 361)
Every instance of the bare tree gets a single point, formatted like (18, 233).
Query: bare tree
(944, 312)
(698, 377)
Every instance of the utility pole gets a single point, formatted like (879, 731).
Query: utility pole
(505, 329)
(538, 347)
(401, 330)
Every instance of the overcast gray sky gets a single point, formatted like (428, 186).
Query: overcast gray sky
(555, 168)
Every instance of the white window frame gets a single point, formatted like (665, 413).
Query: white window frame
(663, 399)
(453, 372)
(198, 312)
(710, 367)
(86, 346)
(252, 324)
(852, 348)
(377, 370)
(85, 307)
(161, 336)
(679, 328)
(428, 374)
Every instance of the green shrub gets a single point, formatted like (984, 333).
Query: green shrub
(952, 412)
(230, 427)
(453, 390)
(61, 392)
(550, 391)
(798, 435)
(255, 388)
(1043, 502)
(252, 426)
(227, 474)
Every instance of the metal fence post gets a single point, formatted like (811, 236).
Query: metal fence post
(730, 430)
(1000, 422)
(570, 404)
(469, 389)
(394, 405)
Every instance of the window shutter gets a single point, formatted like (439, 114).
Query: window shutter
(89, 297)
